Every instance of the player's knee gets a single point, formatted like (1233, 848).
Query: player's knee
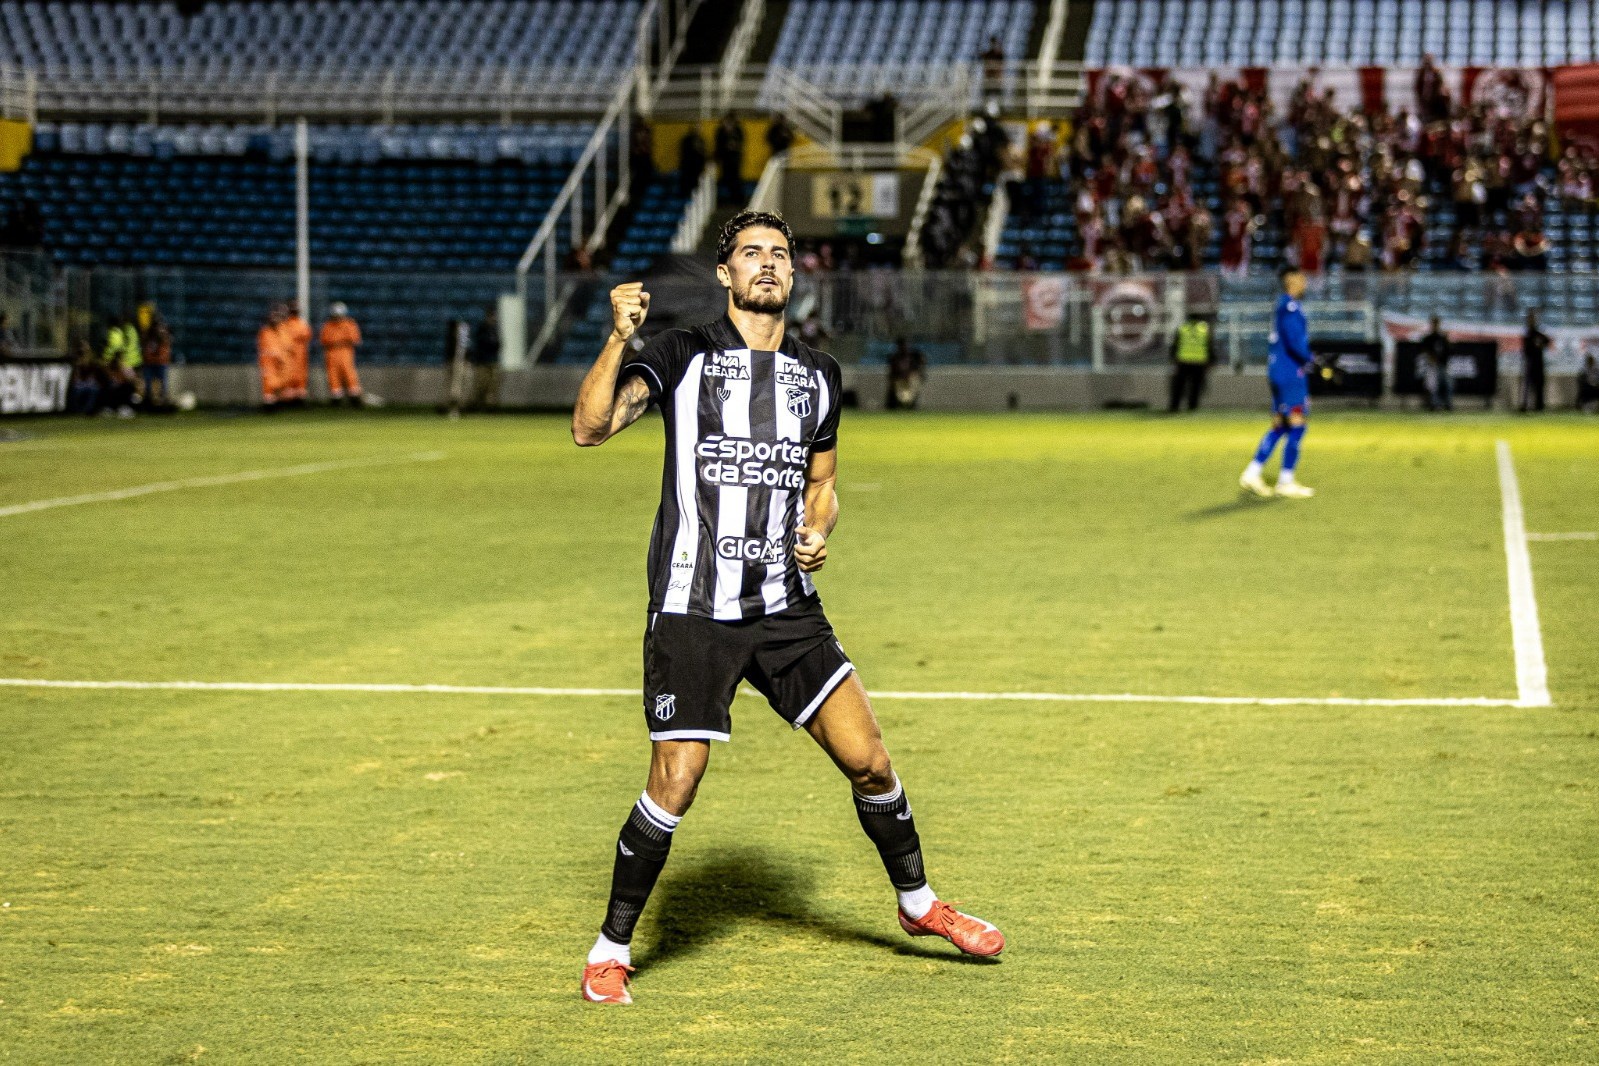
(873, 774)
(675, 775)
(677, 786)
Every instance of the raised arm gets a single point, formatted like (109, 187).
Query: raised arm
(602, 410)
(821, 510)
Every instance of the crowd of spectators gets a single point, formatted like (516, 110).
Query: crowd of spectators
(1325, 185)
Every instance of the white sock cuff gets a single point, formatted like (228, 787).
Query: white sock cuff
(891, 796)
(606, 949)
(659, 814)
(917, 902)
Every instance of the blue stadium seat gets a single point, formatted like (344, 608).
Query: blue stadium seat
(1197, 33)
(455, 41)
(858, 49)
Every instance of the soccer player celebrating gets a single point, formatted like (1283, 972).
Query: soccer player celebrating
(1288, 362)
(747, 504)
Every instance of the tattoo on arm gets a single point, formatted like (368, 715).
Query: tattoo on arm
(632, 400)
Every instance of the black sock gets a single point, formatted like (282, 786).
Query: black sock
(889, 825)
(641, 851)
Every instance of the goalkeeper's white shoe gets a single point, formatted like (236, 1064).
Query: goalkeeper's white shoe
(1293, 490)
(1253, 482)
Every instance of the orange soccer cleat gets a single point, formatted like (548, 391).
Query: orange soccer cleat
(972, 935)
(606, 982)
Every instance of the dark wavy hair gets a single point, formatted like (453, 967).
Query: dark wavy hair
(745, 220)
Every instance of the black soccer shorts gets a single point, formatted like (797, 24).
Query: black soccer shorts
(692, 667)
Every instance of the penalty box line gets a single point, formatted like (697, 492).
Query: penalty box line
(1526, 635)
(539, 690)
(212, 480)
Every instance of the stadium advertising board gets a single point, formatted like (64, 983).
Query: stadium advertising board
(1473, 368)
(1356, 369)
(1566, 351)
(842, 194)
(849, 202)
(34, 386)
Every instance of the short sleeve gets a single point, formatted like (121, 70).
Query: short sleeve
(826, 438)
(659, 363)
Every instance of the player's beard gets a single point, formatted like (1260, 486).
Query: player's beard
(760, 300)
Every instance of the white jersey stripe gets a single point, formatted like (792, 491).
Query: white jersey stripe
(824, 403)
(733, 500)
(686, 545)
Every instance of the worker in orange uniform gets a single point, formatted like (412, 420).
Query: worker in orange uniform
(340, 337)
(297, 339)
(272, 354)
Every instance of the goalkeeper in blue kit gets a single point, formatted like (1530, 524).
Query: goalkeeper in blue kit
(1289, 364)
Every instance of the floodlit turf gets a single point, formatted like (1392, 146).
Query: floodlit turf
(362, 878)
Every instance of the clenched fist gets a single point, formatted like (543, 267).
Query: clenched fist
(810, 549)
(629, 304)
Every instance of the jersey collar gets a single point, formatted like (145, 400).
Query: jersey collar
(726, 334)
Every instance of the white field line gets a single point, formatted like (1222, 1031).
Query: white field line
(1546, 537)
(1022, 697)
(1532, 674)
(212, 480)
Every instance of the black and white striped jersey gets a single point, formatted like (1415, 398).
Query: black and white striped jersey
(740, 428)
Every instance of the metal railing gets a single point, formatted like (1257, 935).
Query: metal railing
(696, 215)
(912, 252)
(994, 221)
(662, 30)
(812, 111)
(709, 91)
(32, 302)
(738, 47)
(18, 91)
(511, 94)
(1046, 89)
(502, 95)
(605, 156)
(604, 163)
(990, 318)
(768, 194)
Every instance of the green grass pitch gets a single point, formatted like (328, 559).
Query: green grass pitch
(338, 877)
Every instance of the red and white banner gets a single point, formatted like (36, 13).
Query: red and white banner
(1044, 302)
(1519, 91)
(1567, 346)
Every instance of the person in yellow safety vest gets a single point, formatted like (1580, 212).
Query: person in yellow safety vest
(1193, 352)
(122, 358)
(122, 343)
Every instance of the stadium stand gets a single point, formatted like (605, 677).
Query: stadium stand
(1210, 33)
(214, 207)
(859, 49)
(384, 201)
(422, 39)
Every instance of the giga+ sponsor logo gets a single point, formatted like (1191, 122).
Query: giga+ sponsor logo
(750, 549)
(741, 461)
